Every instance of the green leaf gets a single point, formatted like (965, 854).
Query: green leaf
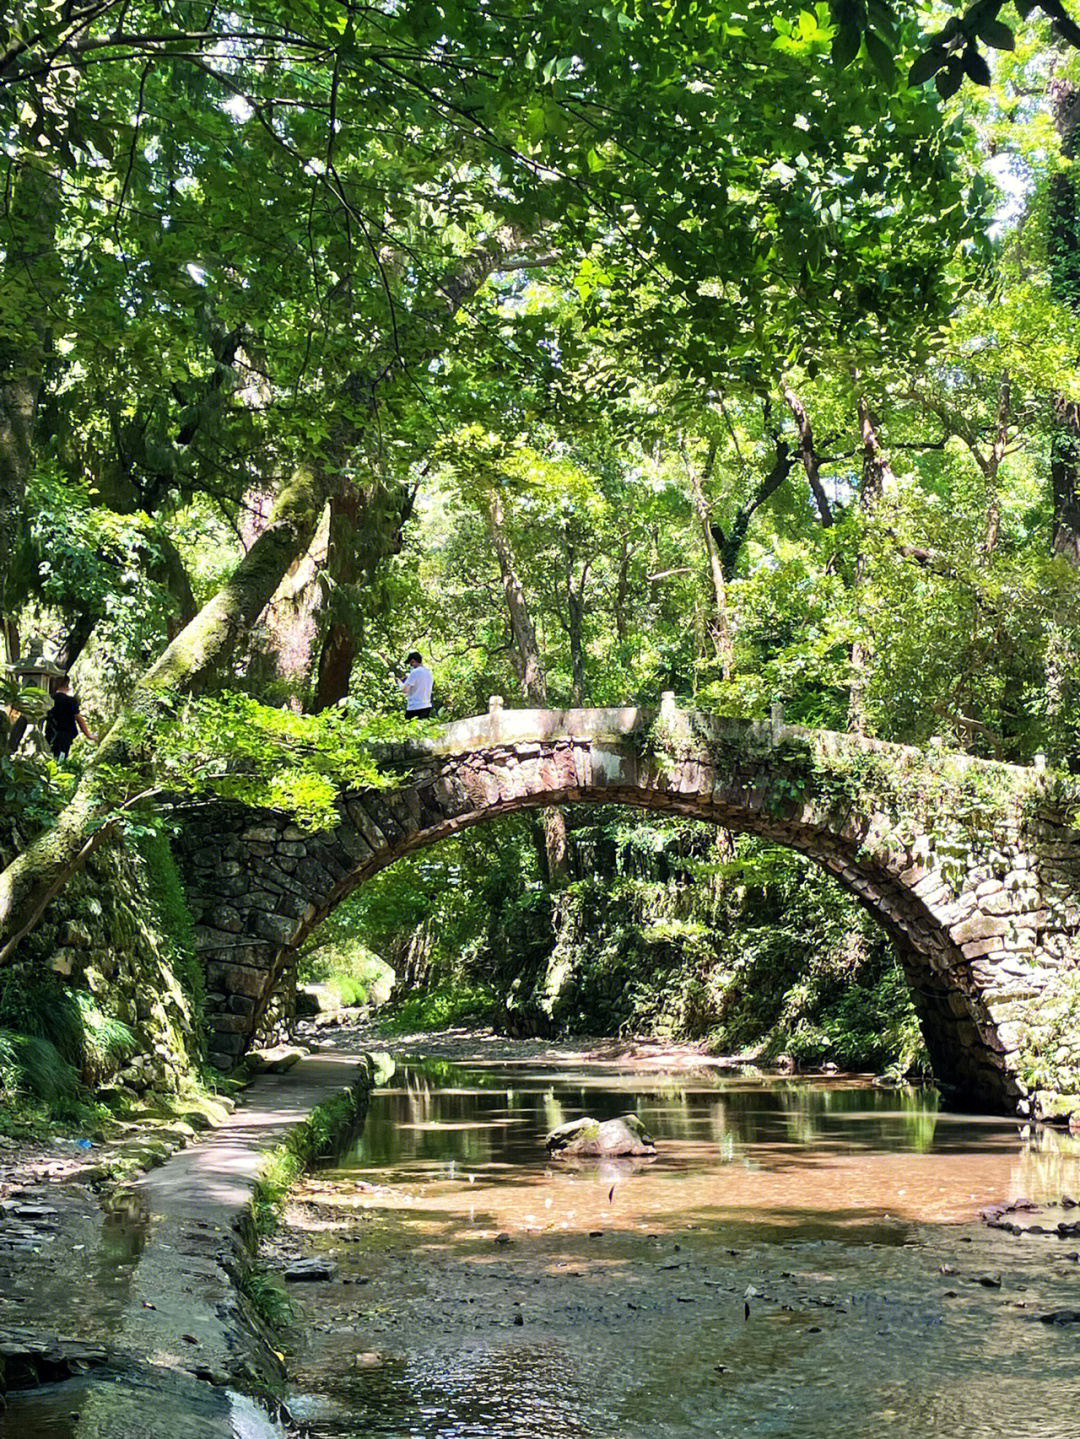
(845, 45)
(927, 65)
(881, 15)
(976, 67)
(948, 80)
(881, 56)
(997, 34)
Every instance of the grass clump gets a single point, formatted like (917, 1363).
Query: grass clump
(349, 991)
(267, 1297)
(327, 1124)
(30, 1065)
(82, 1037)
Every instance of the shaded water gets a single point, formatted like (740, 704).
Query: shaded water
(801, 1259)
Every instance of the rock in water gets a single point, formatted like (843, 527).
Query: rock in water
(626, 1135)
(306, 1271)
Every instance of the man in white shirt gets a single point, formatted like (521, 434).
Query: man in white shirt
(417, 686)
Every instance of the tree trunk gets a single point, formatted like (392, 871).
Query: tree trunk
(878, 481)
(1063, 245)
(76, 639)
(28, 234)
(343, 633)
(1065, 481)
(575, 627)
(9, 636)
(730, 545)
(18, 405)
(533, 678)
(993, 465)
(808, 454)
(720, 625)
(531, 667)
(34, 877)
(622, 590)
(365, 530)
(878, 478)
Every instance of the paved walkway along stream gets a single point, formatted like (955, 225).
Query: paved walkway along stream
(181, 1339)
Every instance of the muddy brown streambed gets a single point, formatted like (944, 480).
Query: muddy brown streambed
(802, 1258)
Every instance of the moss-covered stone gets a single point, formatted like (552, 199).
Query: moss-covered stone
(111, 979)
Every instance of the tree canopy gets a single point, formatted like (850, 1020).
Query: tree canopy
(595, 351)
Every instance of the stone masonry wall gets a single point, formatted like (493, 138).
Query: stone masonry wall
(980, 899)
(104, 935)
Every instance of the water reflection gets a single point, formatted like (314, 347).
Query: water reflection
(799, 1260)
(727, 1145)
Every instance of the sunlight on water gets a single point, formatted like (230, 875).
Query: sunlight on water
(801, 1258)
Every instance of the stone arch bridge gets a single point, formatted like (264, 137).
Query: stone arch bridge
(971, 867)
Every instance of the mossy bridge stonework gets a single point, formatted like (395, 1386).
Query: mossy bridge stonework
(971, 867)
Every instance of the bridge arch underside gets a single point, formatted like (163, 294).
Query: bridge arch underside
(258, 885)
(933, 965)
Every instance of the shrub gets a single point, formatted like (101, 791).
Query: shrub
(438, 1008)
(357, 974)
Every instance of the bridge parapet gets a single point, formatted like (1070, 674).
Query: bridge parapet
(675, 726)
(967, 863)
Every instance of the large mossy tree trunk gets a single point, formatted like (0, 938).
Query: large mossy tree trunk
(366, 530)
(40, 872)
(344, 624)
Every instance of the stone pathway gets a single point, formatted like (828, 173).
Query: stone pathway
(181, 1338)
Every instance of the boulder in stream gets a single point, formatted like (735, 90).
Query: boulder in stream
(591, 1137)
(307, 1271)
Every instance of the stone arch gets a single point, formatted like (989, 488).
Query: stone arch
(981, 917)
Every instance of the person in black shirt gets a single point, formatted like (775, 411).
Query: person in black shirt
(62, 719)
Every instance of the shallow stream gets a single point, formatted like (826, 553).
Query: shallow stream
(801, 1258)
